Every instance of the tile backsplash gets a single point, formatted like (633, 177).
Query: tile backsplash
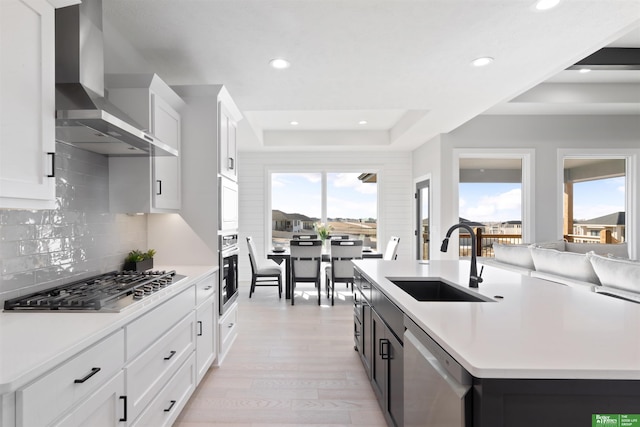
(80, 238)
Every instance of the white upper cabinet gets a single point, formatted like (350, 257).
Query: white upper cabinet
(27, 104)
(156, 107)
(227, 142)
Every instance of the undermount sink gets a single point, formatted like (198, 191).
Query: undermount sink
(434, 290)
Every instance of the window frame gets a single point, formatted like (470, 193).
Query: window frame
(323, 170)
(527, 158)
(632, 201)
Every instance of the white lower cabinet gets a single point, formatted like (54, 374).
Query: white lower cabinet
(166, 407)
(140, 375)
(104, 408)
(149, 372)
(205, 337)
(70, 384)
(206, 324)
(228, 331)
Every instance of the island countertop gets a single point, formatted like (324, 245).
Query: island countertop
(538, 329)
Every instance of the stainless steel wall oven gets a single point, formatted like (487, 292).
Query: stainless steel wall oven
(228, 282)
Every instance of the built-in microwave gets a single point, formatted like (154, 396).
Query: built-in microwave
(228, 209)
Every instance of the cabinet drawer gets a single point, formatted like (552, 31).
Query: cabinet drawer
(205, 288)
(48, 397)
(165, 408)
(205, 337)
(228, 329)
(144, 331)
(104, 408)
(149, 372)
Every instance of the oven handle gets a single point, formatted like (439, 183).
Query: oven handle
(230, 252)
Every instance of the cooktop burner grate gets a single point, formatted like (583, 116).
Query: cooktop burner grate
(95, 293)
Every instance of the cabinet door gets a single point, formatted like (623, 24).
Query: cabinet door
(395, 380)
(378, 364)
(205, 338)
(27, 104)
(104, 408)
(165, 125)
(166, 182)
(165, 122)
(367, 337)
(232, 163)
(227, 145)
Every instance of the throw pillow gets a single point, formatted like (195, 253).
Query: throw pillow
(566, 264)
(555, 244)
(519, 255)
(616, 273)
(617, 250)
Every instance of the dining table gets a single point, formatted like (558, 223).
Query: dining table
(280, 255)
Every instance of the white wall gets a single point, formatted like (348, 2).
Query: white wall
(548, 137)
(395, 194)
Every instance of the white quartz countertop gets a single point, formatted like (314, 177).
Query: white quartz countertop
(539, 329)
(31, 343)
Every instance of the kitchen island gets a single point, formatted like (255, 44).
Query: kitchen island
(537, 351)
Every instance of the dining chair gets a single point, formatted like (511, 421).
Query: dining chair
(306, 256)
(263, 272)
(390, 253)
(338, 237)
(341, 268)
(305, 236)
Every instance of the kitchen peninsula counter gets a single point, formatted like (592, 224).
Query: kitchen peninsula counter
(537, 330)
(31, 343)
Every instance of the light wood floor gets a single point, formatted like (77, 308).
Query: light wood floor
(289, 366)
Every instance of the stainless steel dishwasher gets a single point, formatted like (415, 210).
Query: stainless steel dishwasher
(436, 387)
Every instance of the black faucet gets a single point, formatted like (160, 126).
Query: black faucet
(474, 278)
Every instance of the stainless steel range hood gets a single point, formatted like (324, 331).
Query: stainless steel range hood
(84, 118)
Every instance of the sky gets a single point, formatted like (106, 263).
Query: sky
(347, 196)
(483, 202)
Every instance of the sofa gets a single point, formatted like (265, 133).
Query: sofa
(592, 266)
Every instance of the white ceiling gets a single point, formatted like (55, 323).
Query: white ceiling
(401, 65)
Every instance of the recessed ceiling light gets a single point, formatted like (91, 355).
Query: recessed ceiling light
(293, 123)
(279, 63)
(362, 122)
(584, 70)
(546, 4)
(481, 62)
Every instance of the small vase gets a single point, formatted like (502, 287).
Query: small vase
(324, 246)
(139, 266)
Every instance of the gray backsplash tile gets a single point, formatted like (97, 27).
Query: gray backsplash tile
(80, 238)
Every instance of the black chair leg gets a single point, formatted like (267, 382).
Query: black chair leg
(333, 292)
(279, 287)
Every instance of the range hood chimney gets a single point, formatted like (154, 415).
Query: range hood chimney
(84, 117)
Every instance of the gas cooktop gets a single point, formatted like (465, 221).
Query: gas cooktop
(109, 292)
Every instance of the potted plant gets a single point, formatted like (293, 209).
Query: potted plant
(139, 261)
(323, 231)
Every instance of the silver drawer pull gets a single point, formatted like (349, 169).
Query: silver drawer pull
(230, 325)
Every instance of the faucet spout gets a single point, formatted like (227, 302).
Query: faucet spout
(474, 278)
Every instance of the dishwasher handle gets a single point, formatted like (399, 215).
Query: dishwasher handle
(459, 388)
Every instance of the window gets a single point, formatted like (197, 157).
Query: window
(594, 200)
(490, 201)
(347, 201)
(296, 204)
